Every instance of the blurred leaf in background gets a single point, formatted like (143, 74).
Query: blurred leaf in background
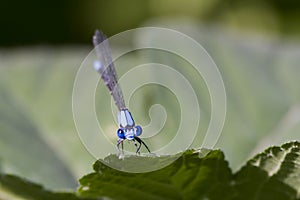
(37, 131)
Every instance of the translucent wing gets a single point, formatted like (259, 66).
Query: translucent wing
(106, 68)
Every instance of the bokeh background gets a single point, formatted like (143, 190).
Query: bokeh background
(256, 45)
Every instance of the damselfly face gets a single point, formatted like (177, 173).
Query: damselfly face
(127, 129)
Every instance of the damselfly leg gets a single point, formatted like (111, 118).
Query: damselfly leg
(140, 141)
(120, 141)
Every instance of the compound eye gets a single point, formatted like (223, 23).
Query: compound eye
(121, 133)
(138, 130)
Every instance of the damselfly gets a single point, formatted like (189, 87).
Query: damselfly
(104, 65)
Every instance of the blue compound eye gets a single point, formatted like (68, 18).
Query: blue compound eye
(138, 130)
(121, 133)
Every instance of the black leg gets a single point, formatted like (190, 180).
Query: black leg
(141, 142)
(137, 147)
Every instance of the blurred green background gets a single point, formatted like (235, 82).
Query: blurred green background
(256, 45)
(68, 22)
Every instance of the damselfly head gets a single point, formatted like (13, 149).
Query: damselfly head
(129, 133)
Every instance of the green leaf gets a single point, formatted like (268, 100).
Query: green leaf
(273, 174)
(196, 174)
(190, 177)
(23, 188)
